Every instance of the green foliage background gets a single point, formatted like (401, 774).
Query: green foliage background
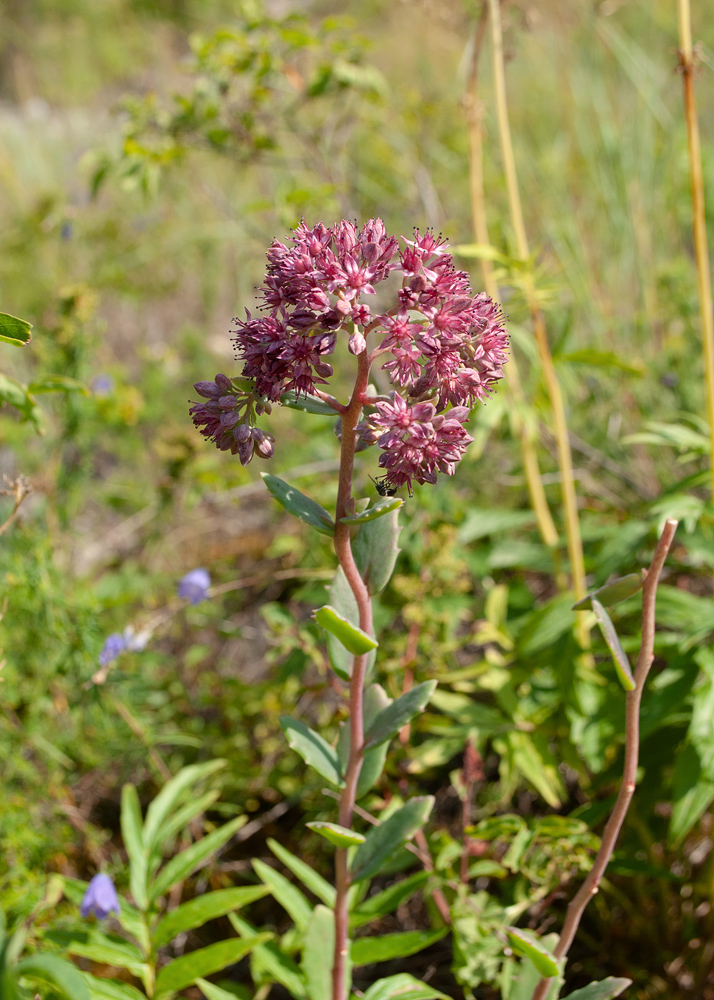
(134, 224)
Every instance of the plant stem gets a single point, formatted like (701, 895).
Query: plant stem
(701, 252)
(632, 744)
(474, 114)
(565, 462)
(343, 549)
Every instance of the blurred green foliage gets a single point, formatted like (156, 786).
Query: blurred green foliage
(149, 150)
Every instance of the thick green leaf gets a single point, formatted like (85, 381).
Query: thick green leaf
(308, 404)
(181, 865)
(379, 509)
(366, 950)
(100, 947)
(375, 550)
(344, 602)
(384, 840)
(203, 908)
(606, 989)
(402, 987)
(58, 383)
(313, 749)
(173, 792)
(692, 794)
(300, 506)
(338, 835)
(132, 833)
(14, 331)
(309, 878)
(388, 899)
(110, 989)
(213, 992)
(271, 958)
(183, 971)
(375, 701)
(318, 950)
(526, 944)
(9, 990)
(351, 636)
(61, 975)
(614, 592)
(391, 719)
(619, 656)
(287, 894)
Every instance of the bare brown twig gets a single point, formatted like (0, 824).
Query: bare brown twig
(18, 489)
(632, 742)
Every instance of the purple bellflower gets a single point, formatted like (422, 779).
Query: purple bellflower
(441, 345)
(194, 586)
(100, 898)
(114, 644)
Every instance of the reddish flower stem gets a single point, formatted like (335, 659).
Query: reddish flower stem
(343, 550)
(632, 745)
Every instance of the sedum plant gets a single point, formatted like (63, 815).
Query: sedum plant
(440, 349)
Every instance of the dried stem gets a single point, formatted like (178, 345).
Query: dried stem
(18, 489)
(565, 462)
(343, 549)
(632, 741)
(701, 252)
(474, 114)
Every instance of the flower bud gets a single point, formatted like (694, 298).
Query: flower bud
(357, 343)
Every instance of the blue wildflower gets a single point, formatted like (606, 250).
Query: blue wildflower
(194, 586)
(114, 644)
(100, 898)
(102, 385)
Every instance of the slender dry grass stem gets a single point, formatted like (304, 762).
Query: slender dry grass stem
(519, 426)
(632, 746)
(701, 252)
(565, 462)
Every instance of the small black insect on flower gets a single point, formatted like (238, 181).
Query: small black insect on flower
(384, 487)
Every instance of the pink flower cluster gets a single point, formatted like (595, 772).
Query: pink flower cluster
(228, 419)
(418, 441)
(440, 344)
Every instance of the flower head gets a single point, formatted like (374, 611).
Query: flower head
(114, 644)
(441, 345)
(100, 898)
(194, 586)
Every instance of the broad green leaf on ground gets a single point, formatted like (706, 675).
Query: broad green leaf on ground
(183, 971)
(319, 886)
(693, 793)
(313, 749)
(288, 895)
(299, 505)
(271, 958)
(203, 908)
(375, 550)
(176, 822)
(614, 592)
(388, 899)
(378, 509)
(183, 864)
(527, 944)
(529, 754)
(132, 834)
(483, 718)
(366, 950)
(338, 835)
(600, 359)
(384, 840)
(619, 656)
(606, 989)
(56, 972)
(162, 808)
(391, 719)
(544, 626)
(110, 989)
(14, 331)
(402, 987)
(343, 600)
(480, 523)
(351, 636)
